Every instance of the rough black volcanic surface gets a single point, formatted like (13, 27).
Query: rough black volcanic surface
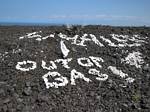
(26, 92)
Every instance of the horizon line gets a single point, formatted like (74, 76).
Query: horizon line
(61, 24)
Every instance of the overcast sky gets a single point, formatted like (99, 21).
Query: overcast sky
(106, 12)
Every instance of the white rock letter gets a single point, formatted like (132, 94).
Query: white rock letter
(64, 62)
(61, 81)
(53, 65)
(18, 66)
(96, 61)
(78, 75)
(87, 64)
(101, 77)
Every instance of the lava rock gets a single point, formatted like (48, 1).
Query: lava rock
(27, 91)
(7, 100)
(146, 68)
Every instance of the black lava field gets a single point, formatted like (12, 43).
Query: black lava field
(74, 69)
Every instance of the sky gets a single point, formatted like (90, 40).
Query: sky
(104, 12)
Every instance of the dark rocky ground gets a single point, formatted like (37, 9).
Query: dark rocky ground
(26, 91)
